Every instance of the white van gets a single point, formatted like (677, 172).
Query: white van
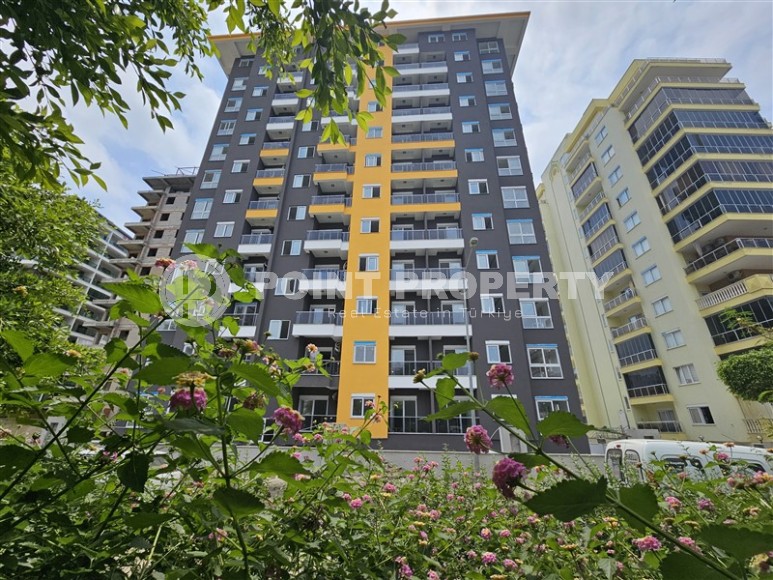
(635, 455)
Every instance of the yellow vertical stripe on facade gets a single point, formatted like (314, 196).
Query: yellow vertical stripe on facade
(368, 378)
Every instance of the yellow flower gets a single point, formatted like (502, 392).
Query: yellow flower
(72, 353)
(21, 291)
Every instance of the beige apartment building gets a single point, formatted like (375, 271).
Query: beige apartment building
(665, 190)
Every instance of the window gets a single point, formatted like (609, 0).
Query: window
(310, 126)
(260, 91)
(521, 231)
(462, 55)
(536, 313)
(528, 269)
(482, 221)
(375, 133)
(245, 62)
(515, 197)
(192, 237)
(371, 191)
(473, 155)
(651, 275)
(240, 166)
(608, 154)
(498, 351)
(301, 180)
(367, 305)
(467, 101)
(364, 352)
(601, 135)
(239, 84)
(218, 153)
(291, 248)
(374, 107)
(464, 78)
(673, 338)
(632, 221)
(253, 114)
(492, 66)
(232, 196)
(279, 330)
(504, 137)
(224, 229)
(687, 374)
(436, 38)
(544, 362)
(487, 259)
(471, 127)
(495, 88)
(641, 247)
(701, 415)
(369, 225)
(286, 286)
(510, 165)
(662, 306)
(211, 179)
(373, 160)
(368, 263)
(305, 152)
(457, 36)
(623, 198)
(233, 104)
(477, 186)
(296, 213)
(546, 405)
(492, 304)
(360, 404)
(616, 175)
(247, 139)
(488, 47)
(226, 128)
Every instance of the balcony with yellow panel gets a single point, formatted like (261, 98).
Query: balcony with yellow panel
(331, 208)
(640, 360)
(750, 288)
(585, 188)
(721, 222)
(333, 177)
(425, 205)
(407, 141)
(624, 304)
(630, 330)
(725, 260)
(421, 120)
(269, 180)
(430, 174)
(263, 212)
(275, 153)
(617, 277)
(342, 152)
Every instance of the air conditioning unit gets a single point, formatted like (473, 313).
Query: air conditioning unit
(735, 275)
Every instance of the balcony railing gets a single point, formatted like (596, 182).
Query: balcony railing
(723, 295)
(662, 426)
(420, 111)
(276, 145)
(265, 173)
(598, 226)
(419, 137)
(331, 200)
(727, 249)
(333, 367)
(604, 249)
(423, 87)
(418, 235)
(600, 196)
(424, 274)
(319, 317)
(401, 199)
(281, 119)
(244, 318)
(638, 357)
(333, 168)
(285, 97)
(687, 79)
(321, 235)
(257, 239)
(421, 65)
(431, 166)
(580, 166)
(648, 390)
(609, 274)
(415, 424)
(630, 327)
(584, 181)
(627, 295)
(320, 274)
(426, 318)
(264, 204)
(758, 425)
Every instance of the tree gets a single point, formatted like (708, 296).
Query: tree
(748, 375)
(61, 51)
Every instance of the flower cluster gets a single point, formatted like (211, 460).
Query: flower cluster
(500, 376)
(187, 399)
(289, 420)
(507, 474)
(477, 439)
(192, 379)
(648, 544)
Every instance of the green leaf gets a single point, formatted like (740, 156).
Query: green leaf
(115, 350)
(683, 566)
(246, 422)
(608, 566)
(303, 93)
(193, 425)
(206, 250)
(563, 423)
(569, 499)
(19, 342)
(47, 364)
(236, 501)
(455, 360)
(454, 410)
(14, 458)
(140, 520)
(529, 459)
(281, 465)
(365, 436)
(641, 499)
(243, 296)
(511, 411)
(134, 473)
(191, 447)
(163, 371)
(444, 391)
(79, 434)
(739, 543)
(257, 377)
(141, 297)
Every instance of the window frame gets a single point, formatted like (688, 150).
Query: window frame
(365, 348)
(273, 336)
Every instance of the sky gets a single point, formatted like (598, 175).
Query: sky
(573, 51)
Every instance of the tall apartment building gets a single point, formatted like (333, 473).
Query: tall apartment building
(370, 238)
(666, 188)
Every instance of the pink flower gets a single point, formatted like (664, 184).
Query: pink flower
(706, 505)
(289, 420)
(434, 515)
(366, 498)
(477, 439)
(504, 534)
(688, 542)
(648, 544)
(488, 557)
(500, 375)
(432, 575)
(356, 503)
(218, 535)
(721, 456)
(184, 400)
(673, 502)
(485, 533)
(389, 488)
(298, 438)
(423, 535)
(405, 569)
(509, 564)
(472, 554)
(507, 474)
(559, 440)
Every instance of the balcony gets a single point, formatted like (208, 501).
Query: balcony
(269, 180)
(330, 208)
(748, 289)
(405, 424)
(649, 394)
(420, 91)
(628, 295)
(285, 104)
(425, 324)
(326, 243)
(318, 324)
(626, 329)
(248, 325)
(139, 229)
(280, 128)
(736, 255)
(329, 283)
(429, 205)
(275, 153)
(289, 82)
(263, 212)
(332, 177)
(616, 277)
(662, 426)
(638, 358)
(432, 71)
(256, 245)
(592, 204)
(401, 374)
(427, 280)
(421, 114)
(591, 232)
(604, 250)
(719, 221)
(432, 241)
(338, 152)
(422, 137)
(586, 186)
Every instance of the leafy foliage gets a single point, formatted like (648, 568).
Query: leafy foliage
(749, 375)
